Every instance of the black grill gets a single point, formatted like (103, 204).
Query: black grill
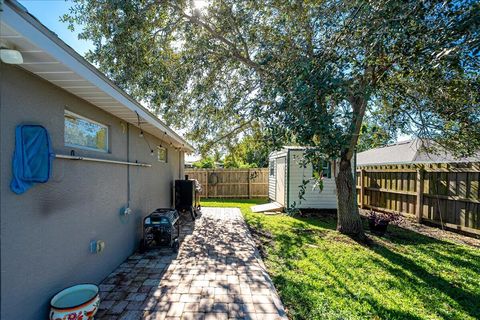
(187, 193)
(184, 194)
(159, 229)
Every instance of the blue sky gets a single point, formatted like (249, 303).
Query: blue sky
(48, 12)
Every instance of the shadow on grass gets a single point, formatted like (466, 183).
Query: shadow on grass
(414, 260)
(438, 250)
(466, 299)
(425, 255)
(302, 306)
(324, 222)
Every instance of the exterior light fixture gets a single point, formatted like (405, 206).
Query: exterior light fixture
(141, 134)
(152, 153)
(10, 56)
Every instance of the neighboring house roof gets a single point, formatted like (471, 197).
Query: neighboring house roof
(395, 153)
(400, 152)
(408, 152)
(48, 57)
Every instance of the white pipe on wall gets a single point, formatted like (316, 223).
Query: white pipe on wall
(63, 156)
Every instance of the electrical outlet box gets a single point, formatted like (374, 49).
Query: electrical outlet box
(97, 246)
(100, 246)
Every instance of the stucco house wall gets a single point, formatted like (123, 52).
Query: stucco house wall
(46, 232)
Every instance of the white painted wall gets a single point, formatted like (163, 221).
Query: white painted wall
(313, 198)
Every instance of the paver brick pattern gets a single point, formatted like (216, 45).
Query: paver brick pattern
(217, 274)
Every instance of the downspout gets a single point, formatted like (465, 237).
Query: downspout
(288, 178)
(180, 154)
(127, 209)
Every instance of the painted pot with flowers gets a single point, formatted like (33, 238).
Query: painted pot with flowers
(379, 221)
(79, 302)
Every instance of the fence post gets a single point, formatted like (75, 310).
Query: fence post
(215, 186)
(362, 188)
(249, 185)
(419, 203)
(206, 183)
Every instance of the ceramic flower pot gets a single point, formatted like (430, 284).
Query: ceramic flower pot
(79, 302)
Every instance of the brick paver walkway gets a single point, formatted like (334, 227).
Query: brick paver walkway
(217, 274)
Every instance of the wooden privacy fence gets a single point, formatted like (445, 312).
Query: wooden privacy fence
(231, 183)
(440, 193)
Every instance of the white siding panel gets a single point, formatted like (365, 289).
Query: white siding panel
(272, 179)
(313, 198)
(280, 180)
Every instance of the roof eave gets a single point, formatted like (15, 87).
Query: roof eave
(16, 15)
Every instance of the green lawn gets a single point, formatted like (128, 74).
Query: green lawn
(321, 274)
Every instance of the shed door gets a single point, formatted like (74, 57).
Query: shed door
(280, 189)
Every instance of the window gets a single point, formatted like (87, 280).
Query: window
(272, 168)
(324, 167)
(162, 154)
(81, 132)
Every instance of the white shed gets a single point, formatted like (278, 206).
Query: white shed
(286, 175)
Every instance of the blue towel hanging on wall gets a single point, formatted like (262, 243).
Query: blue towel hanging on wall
(32, 159)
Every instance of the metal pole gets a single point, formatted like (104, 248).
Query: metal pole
(63, 156)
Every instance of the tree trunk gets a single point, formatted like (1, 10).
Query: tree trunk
(348, 218)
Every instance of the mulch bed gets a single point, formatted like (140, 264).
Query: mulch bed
(434, 232)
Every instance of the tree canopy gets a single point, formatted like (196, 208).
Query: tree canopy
(251, 152)
(310, 70)
(205, 163)
(374, 134)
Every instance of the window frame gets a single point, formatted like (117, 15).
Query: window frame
(71, 145)
(158, 154)
(326, 170)
(271, 164)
